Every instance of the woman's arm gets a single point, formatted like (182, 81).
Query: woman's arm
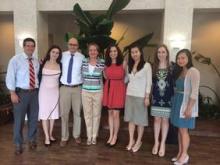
(195, 80)
(149, 84)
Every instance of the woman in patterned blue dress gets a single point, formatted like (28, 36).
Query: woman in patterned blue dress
(161, 98)
(185, 102)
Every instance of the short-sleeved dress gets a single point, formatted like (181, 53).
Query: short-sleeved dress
(162, 93)
(49, 95)
(114, 87)
(176, 104)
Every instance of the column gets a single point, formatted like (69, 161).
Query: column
(178, 20)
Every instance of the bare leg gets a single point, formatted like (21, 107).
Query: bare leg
(116, 124)
(110, 123)
(165, 127)
(131, 129)
(185, 140)
(45, 124)
(180, 147)
(139, 139)
(51, 129)
(157, 126)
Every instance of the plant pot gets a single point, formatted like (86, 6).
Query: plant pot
(6, 114)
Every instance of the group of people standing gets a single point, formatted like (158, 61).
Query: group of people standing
(68, 80)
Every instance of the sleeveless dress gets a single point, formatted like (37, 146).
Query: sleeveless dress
(114, 87)
(49, 95)
(176, 104)
(162, 93)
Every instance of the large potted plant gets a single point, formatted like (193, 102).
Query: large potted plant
(208, 108)
(5, 104)
(97, 28)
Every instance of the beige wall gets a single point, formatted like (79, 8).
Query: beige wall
(138, 25)
(58, 25)
(7, 40)
(206, 40)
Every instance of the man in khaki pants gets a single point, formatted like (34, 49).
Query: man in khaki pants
(70, 91)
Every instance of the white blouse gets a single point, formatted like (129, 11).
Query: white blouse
(191, 90)
(140, 83)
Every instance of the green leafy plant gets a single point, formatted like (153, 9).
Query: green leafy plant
(97, 28)
(208, 109)
(5, 104)
(205, 60)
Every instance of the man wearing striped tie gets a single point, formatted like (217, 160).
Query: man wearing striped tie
(22, 81)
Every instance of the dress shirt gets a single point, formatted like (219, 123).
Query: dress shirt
(18, 72)
(76, 69)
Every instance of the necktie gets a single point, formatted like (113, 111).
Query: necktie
(69, 73)
(31, 74)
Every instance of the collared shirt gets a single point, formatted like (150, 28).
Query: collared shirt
(18, 72)
(76, 69)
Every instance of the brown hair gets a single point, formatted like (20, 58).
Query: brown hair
(94, 44)
(119, 58)
(157, 61)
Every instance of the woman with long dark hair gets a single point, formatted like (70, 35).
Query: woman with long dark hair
(162, 92)
(49, 75)
(185, 102)
(137, 96)
(114, 90)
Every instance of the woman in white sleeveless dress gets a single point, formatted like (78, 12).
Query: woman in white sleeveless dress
(49, 92)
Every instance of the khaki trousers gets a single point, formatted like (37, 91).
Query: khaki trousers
(70, 98)
(92, 103)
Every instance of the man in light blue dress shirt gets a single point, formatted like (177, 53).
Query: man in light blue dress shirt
(22, 81)
(70, 92)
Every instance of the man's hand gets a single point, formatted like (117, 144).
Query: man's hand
(14, 98)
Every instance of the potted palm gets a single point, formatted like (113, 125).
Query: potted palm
(208, 108)
(5, 104)
(97, 28)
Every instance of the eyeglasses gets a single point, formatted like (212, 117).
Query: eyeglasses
(73, 44)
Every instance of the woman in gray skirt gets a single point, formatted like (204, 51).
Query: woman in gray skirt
(137, 96)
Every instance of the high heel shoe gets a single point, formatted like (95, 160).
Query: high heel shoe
(53, 140)
(174, 159)
(185, 161)
(161, 151)
(107, 144)
(113, 145)
(47, 144)
(136, 147)
(130, 147)
(155, 149)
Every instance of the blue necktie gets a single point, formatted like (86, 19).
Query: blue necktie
(69, 73)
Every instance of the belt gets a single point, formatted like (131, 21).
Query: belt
(179, 91)
(25, 90)
(72, 86)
